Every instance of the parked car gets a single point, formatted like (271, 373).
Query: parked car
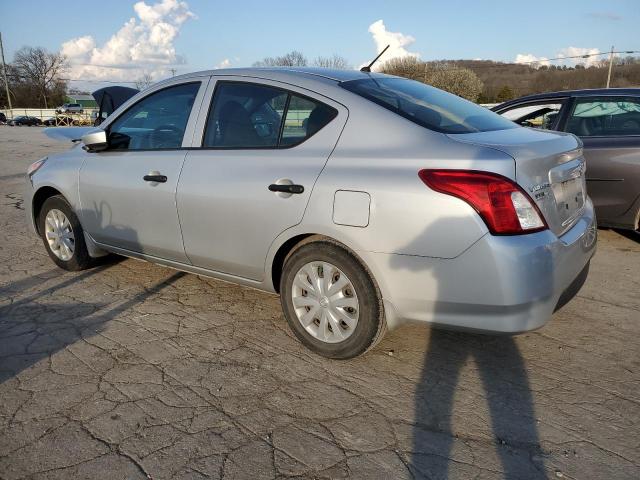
(394, 202)
(24, 120)
(3, 118)
(70, 108)
(608, 123)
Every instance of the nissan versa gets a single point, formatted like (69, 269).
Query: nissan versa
(364, 200)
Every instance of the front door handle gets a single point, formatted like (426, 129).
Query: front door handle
(285, 188)
(155, 178)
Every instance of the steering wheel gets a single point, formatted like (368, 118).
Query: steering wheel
(166, 136)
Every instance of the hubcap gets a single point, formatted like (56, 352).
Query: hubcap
(325, 302)
(59, 234)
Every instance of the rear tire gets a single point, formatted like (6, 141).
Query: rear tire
(340, 316)
(62, 235)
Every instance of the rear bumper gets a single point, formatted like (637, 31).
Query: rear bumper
(502, 284)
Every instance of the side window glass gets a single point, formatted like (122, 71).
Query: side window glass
(158, 121)
(605, 117)
(245, 115)
(304, 118)
(536, 116)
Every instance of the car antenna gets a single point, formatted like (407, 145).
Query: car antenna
(368, 67)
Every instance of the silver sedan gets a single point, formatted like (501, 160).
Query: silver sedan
(364, 200)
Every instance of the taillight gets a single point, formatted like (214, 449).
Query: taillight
(502, 204)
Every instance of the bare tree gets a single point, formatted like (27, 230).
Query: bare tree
(40, 68)
(335, 61)
(144, 81)
(291, 59)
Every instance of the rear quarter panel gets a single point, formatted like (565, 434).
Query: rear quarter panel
(381, 154)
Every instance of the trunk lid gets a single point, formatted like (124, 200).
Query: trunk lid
(549, 167)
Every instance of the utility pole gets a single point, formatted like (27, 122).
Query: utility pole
(4, 73)
(173, 72)
(610, 66)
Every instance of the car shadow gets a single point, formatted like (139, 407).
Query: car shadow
(630, 234)
(37, 325)
(438, 433)
(31, 330)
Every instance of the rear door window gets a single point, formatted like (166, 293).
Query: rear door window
(250, 115)
(304, 118)
(593, 117)
(245, 115)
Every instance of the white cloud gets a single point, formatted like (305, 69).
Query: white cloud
(226, 63)
(142, 45)
(563, 53)
(529, 58)
(578, 51)
(397, 42)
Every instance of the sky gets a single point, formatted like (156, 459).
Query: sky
(121, 40)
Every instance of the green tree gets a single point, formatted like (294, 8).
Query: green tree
(505, 93)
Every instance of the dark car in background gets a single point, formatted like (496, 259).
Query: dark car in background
(24, 120)
(608, 123)
(3, 118)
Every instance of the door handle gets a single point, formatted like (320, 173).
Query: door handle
(155, 178)
(284, 188)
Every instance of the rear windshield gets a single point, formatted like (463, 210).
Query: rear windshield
(428, 106)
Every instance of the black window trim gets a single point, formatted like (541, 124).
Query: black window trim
(595, 98)
(108, 127)
(284, 117)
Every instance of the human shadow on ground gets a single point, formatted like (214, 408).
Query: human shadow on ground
(443, 436)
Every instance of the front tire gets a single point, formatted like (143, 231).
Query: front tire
(62, 234)
(330, 300)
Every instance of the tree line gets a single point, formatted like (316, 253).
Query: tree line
(486, 81)
(36, 76)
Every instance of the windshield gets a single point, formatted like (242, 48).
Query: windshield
(428, 106)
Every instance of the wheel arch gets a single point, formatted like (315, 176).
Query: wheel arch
(297, 240)
(39, 198)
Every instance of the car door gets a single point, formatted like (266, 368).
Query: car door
(263, 145)
(127, 192)
(609, 127)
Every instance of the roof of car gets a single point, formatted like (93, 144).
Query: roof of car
(334, 75)
(588, 92)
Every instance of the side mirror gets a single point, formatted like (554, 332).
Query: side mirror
(95, 141)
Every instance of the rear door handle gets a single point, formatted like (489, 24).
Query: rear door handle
(284, 188)
(155, 178)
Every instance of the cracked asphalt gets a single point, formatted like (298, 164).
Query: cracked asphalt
(132, 370)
